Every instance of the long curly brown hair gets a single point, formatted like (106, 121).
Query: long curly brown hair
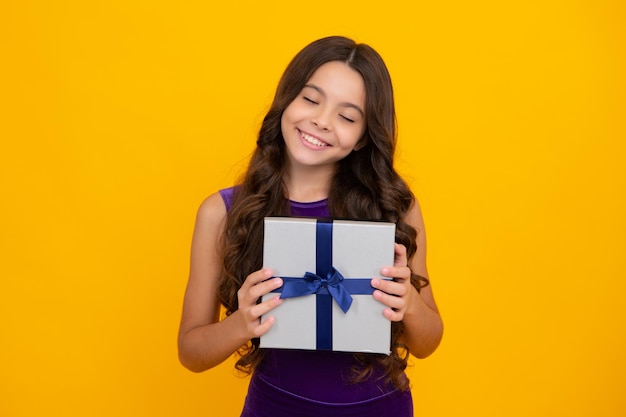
(365, 187)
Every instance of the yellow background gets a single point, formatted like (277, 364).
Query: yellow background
(117, 118)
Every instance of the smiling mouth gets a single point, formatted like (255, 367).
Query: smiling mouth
(312, 140)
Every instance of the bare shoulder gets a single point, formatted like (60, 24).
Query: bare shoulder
(213, 207)
(210, 223)
(414, 217)
(211, 213)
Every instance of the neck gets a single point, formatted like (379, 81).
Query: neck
(309, 184)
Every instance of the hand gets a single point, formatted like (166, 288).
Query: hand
(396, 294)
(255, 286)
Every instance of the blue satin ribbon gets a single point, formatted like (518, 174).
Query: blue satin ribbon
(333, 284)
(327, 283)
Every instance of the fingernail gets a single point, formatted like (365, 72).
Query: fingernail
(385, 271)
(375, 282)
(378, 295)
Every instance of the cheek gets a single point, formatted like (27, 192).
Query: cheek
(355, 134)
(288, 115)
(284, 121)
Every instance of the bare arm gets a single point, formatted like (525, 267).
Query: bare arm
(204, 341)
(418, 310)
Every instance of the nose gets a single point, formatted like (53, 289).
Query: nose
(321, 126)
(321, 120)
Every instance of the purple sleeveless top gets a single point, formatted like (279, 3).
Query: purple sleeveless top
(308, 383)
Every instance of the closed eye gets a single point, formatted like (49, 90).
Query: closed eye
(347, 119)
(310, 100)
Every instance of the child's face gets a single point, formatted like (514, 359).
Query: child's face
(326, 120)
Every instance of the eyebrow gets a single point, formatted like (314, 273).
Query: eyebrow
(343, 104)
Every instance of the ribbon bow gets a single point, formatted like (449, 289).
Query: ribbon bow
(314, 284)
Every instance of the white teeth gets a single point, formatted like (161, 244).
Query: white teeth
(312, 140)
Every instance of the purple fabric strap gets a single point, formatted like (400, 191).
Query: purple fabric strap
(313, 209)
(227, 195)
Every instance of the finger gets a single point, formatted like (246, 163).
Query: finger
(266, 322)
(257, 276)
(391, 301)
(400, 258)
(393, 315)
(390, 287)
(253, 279)
(265, 307)
(264, 327)
(265, 287)
(398, 272)
(249, 291)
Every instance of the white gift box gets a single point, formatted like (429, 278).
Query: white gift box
(357, 250)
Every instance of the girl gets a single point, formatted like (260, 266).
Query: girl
(325, 149)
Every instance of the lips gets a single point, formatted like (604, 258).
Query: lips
(313, 140)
